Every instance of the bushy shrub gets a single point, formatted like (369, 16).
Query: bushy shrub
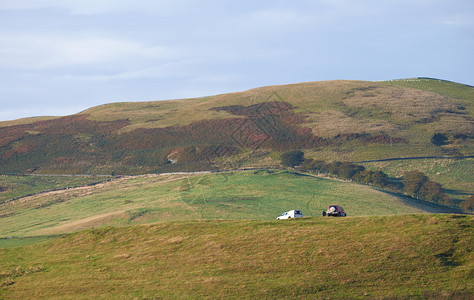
(439, 139)
(468, 204)
(413, 181)
(292, 158)
(346, 170)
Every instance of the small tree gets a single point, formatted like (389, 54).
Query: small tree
(363, 177)
(333, 168)
(348, 170)
(468, 204)
(413, 181)
(313, 165)
(432, 192)
(379, 178)
(439, 139)
(292, 158)
(447, 201)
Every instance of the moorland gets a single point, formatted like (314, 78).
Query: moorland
(178, 199)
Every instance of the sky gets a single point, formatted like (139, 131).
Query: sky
(59, 57)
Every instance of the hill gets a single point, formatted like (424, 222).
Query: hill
(251, 195)
(410, 256)
(332, 120)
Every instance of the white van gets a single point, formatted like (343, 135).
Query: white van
(291, 214)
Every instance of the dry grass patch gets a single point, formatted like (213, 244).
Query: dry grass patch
(376, 257)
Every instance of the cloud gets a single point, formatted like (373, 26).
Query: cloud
(35, 51)
(461, 20)
(98, 7)
(90, 51)
(166, 70)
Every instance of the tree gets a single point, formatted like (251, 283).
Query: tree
(364, 177)
(468, 204)
(313, 165)
(413, 181)
(447, 201)
(432, 191)
(292, 158)
(439, 139)
(348, 170)
(379, 178)
(333, 168)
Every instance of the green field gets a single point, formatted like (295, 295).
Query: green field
(443, 87)
(397, 257)
(456, 176)
(17, 186)
(253, 195)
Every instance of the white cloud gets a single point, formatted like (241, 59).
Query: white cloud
(97, 7)
(95, 50)
(169, 69)
(31, 51)
(464, 19)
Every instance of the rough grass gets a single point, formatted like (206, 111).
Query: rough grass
(25, 121)
(455, 175)
(17, 186)
(254, 195)
(412, 110)
(332, 107)
(137, 137)
(446, 88)
(411, 256)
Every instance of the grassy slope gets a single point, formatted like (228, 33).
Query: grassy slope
(334, 107)
(454, 175)
(446, 88)
(257, 195)
(412, 110)
(17, 186)
(355, 257)
(407, 110)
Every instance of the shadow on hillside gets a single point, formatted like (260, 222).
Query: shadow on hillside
(424, 205)
(456, 192)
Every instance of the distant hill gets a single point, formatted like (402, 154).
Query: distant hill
(331, 120)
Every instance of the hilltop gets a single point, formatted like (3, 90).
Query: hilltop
(331, 120)
(409, 256)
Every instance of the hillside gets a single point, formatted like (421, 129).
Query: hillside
(251, 195)
(410, 256)
(332, 120)
(136, 222)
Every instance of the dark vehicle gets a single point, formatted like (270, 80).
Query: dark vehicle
(334, 211)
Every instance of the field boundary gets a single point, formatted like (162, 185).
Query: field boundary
(414, 157)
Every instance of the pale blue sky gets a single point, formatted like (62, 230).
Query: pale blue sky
(59, 57)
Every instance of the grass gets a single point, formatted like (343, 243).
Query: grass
(15, 242)
(455, 175)
(410, 111)
(17, 186)
(357, 106)
(446, 88)
(410, 256)
(395, 108)
(254, 195)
